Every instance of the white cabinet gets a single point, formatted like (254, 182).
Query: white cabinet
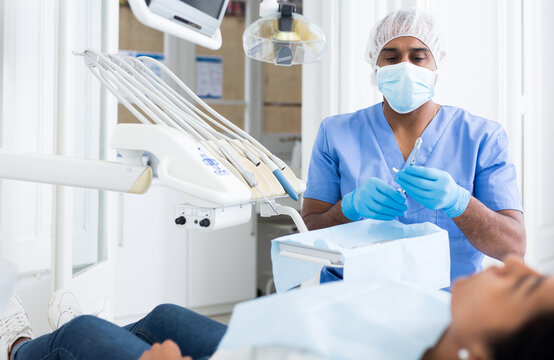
(159, 263)
(221, 267)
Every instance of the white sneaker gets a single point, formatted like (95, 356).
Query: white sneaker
(14, 324)
(62, 308)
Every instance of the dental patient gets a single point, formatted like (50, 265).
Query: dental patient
(503, 312)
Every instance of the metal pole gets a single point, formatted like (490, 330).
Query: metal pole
(253, 83)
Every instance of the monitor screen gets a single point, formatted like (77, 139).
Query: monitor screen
(210, 7)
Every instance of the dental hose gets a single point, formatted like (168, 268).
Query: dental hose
(275, 164)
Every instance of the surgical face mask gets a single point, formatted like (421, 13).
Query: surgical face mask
(406, 86)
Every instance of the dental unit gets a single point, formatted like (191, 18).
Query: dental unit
(201, 154)
(221, 168)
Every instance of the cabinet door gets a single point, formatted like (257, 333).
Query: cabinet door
(157, 262)
(222, 266)
(151, 265)
(86, 112)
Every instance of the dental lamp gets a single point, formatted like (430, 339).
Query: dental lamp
(283, 37)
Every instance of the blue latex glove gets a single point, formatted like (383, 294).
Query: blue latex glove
(434, 189)
(375, 200)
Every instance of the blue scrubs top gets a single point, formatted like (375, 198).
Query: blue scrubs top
(351, 148)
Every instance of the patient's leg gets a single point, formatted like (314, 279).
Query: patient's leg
(196, 335)
(85, 337)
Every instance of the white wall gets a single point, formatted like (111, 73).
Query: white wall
(320, 85)
(538, 129)
(355, 90)
(469, 78)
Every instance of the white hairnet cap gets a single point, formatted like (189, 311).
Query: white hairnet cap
(405, 22)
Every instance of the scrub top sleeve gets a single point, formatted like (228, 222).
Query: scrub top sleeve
(323, 175)
(496, 177)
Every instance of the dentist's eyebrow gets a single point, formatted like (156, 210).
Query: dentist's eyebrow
(419, 49)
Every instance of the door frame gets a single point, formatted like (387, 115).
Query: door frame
(93, 286)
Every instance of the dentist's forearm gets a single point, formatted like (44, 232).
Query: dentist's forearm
(319, 214)
(496, 234)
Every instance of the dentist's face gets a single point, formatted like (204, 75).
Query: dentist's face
(498, 301)
(406, 49)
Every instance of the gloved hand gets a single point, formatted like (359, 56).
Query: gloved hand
(375, 200)
(434, 189)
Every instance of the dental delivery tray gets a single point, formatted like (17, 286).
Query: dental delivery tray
(187, 165)
(312, 254)
(417, 253)
(327, 257)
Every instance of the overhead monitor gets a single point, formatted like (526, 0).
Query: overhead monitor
(197, 21)
(203, 16)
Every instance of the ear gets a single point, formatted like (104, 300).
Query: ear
(436, 77)
(373, 76)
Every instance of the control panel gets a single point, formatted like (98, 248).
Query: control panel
(193, 217)
(206, 219)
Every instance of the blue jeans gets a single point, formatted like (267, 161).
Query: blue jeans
(329, 274)
(89, 337)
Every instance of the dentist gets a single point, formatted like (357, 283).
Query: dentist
(462, 180)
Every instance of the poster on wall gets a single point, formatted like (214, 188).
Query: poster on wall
(209, 77)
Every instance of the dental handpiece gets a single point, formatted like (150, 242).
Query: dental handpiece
(411, 161)
(417, 146)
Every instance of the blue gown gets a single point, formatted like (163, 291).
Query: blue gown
(351, 148)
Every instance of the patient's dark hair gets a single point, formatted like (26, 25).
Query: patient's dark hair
(534, 340)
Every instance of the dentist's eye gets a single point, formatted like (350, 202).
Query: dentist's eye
(419, 58)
